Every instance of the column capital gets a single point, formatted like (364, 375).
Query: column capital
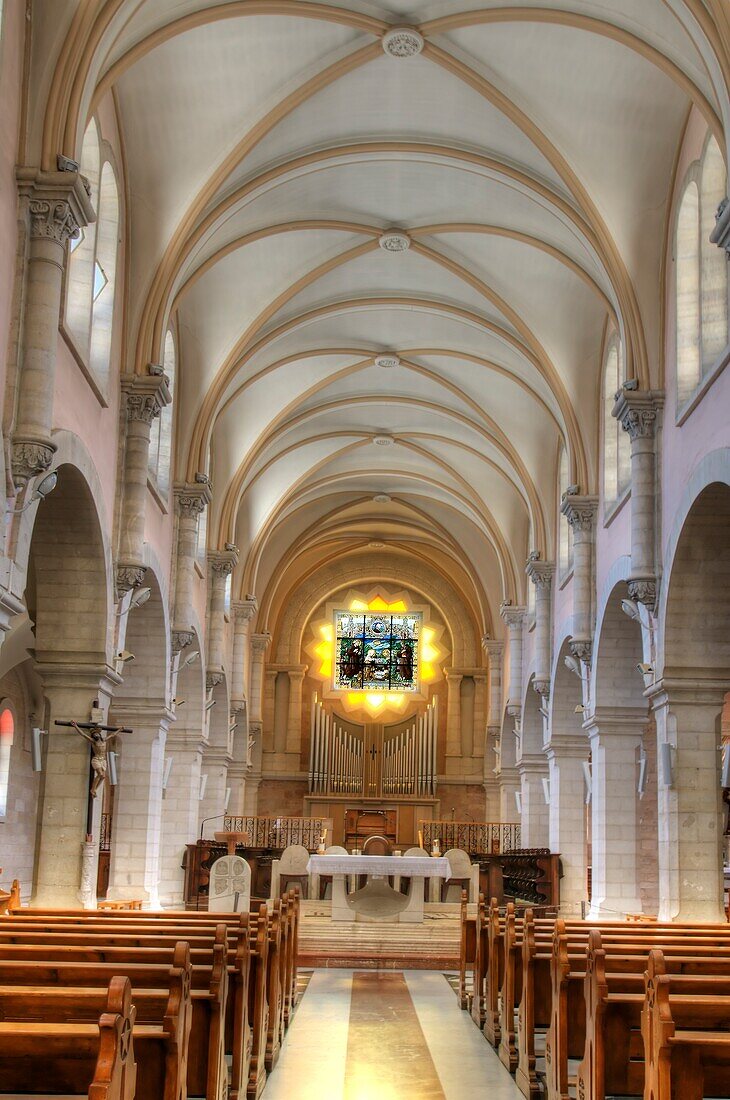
(223, 562)
(129, 576)
(720, 235)
(59, 203)
(580, 511)
(191, 500)
(181, 639)
(540, 572)
(146, 395)
(298, 672)
(244, 610)
(513, 616)
(492, 647)
(213, 677)
(454, 674)
(567, 746)
(636, 410)
(260, 642)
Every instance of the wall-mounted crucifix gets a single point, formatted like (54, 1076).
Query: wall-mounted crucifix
(98, 737)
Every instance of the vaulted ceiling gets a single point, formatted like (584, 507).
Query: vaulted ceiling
(524, 157)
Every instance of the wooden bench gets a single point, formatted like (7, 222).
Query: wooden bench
(686, 1041)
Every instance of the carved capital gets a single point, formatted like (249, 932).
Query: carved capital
(540, 572)
(260, 643)
(181, 639)
(146, 396)
(581, 649)
(643, 589)
(129, 575)
(720, 235)
(223, 562)
(53, 219)
(244, 610)
(213, 677)
(636, 410)
(29, 458)
(580, 512)
(513, 616)
(542, 687)
(492, 647)
(191, 500)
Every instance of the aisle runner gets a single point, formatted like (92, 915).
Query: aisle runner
(387, 1053)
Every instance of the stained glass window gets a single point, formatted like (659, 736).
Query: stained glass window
(377, 652)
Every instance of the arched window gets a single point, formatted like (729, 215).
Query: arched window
(616, 444)
(202, 538)
(701, 279)
(160, 460)
(565, 531)
(7, 732)
(92, 264)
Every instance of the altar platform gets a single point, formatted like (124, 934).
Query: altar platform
(432, 945)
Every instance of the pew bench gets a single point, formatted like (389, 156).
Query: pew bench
(74, 1059)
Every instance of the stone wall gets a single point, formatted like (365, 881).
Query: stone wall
(467, 799)
(281, 797)
(18, 830)
(647, 821)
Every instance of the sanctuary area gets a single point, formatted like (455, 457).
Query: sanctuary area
(365, 576)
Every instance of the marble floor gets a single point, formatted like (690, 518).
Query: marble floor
(385, 1035)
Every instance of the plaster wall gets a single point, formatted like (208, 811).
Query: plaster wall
(11, 62)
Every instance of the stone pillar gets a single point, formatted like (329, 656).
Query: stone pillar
(221, 563)
(541, 575)
(580, 512)
(494, 650)
(145, 397)
(243, 613)
(215, 765)
(532, 769)
(453, 714)
(479, 747)
(180, 811)
(567, 827)
(294, 723)
(615, 735)
(58, 205)
(690, 825)
(190, 500)
(259, 645)
(637, 411)
(514, 617)
(68, 843)
(135, 857)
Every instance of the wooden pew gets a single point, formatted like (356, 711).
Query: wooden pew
(258, 1004)
(10, 900)
(220, 1018)
(467, 948)
(96, 1060)
(686, 1041)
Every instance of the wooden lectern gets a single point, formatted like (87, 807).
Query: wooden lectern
(231, 840)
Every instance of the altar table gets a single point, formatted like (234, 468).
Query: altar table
(377, 901)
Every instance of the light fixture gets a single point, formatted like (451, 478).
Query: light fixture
(376, 545)
(545, 713)
(666, 764)
(387, 362)
(725, 777)
(580, 709)
(227, 798)
(383, 440)
(394, 241)
(518, 802)
(189, 659)
(574, 666)
(66, 164)
(631, 608)
(210, 704)
(402, 42)
(169, 761)
(588, 781)
(645, 670)
(112, 759)
(643, 769)
(35, 748)
(45, 486)
(124, 656)
(139, 598)
(178, 702)
(381, 498)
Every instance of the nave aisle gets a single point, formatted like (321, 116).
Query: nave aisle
(376, 1035)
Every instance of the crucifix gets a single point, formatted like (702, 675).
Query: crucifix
(98, 737)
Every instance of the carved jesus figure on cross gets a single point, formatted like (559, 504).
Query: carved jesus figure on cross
(99, 738)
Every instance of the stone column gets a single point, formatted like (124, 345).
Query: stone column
(221, 563)
(567, 817)
(615, 735)
(580, 512)
(532, 769)
(215, 765)
(453, 714)
(690, 824)
(494, 650)
(180, 811)
(514, 617)
(259, 645)
(294, 723)
(135, 858)
(190, 500)
(145, 397)
(637, 411)
(58, 205)
(541, 575)
(68, 842)
(243, 613)
(479, 746)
